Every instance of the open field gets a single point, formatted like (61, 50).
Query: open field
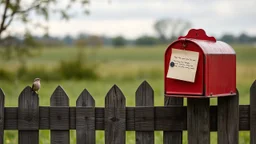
(125, 67)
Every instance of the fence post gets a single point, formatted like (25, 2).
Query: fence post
(28, 117)
(115, 116)
(228, 119)
(59, 117)
(85, 119)
(198, 121)
(144, 97)
(1, 116)
(173, 137)
(253, 113)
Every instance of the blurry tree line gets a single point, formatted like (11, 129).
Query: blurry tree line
(168, 30)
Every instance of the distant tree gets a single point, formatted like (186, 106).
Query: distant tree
(244, 38)
(229, 38)
(146, 40)
(94, 41)
(80, 42)
(169, 29)
(68, 40)
(118, 41)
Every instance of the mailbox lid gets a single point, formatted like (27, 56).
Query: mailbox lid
(178, 87)
(220, 68)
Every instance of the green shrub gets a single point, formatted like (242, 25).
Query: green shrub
(6, 75)
(76, 70)
(28, 74)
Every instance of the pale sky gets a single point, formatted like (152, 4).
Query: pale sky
(133, 18)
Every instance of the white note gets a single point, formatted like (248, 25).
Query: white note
(183, 65)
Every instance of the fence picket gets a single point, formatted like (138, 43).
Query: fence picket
(144, 97)
(28, 117)
(173, 137)
(59, 117)
(115, 115)
(198, 122)
(228, 119)
(1, 116)
(85, 118)
(253, 113)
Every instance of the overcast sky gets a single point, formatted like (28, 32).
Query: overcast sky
(133, 18)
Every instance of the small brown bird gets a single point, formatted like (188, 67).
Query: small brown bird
(36, 85)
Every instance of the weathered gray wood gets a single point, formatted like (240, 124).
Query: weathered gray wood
(85, 119)
(59, 98)
(253, 113)
(144, 97)
(1, 116)
(173, 137)
(115, 116)
(163, 115)
(198, 121)
(28, 116)
(228, 119)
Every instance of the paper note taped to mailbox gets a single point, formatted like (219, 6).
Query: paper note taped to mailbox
(183, 65)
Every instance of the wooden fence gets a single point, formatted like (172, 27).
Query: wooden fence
(115, 119)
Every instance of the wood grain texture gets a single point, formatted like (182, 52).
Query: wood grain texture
(59, 98)
(173, 137)
(176, 114)
(85, 119)
(115, 115)
(253, 113)
(1, 116)
(228, 119)
(28, 116)
(144, 97)
(198, 121)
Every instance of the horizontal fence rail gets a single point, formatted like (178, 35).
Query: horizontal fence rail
(169, 118)
(198, 118)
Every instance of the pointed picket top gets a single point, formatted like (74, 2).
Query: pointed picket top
(145, 95)
(28, 110)
(115, 98)
(59, 97)
(2, 95)
(85, 99)
(253, 113)
(28, 97)
(237, 92)
(1, 116)
(253, 93)
(253, 86)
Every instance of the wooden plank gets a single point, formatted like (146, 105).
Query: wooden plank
(228, 119)
(59, 98)
(1, 116)
(176, 114)
(253, 113)
(59, 118)
(173, 137)
(28, 116)
(85, 119)
(198, 122)
(115, 116)
(144, 97)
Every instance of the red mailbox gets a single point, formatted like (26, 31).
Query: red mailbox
(199, 66)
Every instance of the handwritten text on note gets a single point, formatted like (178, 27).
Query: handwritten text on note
(183, 65)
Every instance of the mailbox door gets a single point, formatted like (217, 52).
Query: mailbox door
(178, 87)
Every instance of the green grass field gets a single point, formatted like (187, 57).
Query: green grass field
(127, 68)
